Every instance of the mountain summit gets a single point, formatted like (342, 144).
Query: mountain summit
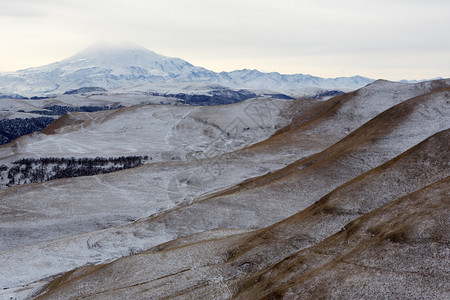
(113, 66)
(128, 58)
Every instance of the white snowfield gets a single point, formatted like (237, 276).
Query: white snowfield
(60, 225)
(164, 133)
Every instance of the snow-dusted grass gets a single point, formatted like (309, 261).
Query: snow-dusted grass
(167, 189)
(164, 133)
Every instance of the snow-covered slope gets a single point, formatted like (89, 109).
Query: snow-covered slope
(110, 67)
(403, 236)
(71, 211)
(161, 132)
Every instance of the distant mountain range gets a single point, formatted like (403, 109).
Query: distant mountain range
(106, 67)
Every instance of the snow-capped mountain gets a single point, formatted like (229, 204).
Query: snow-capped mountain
(99, 66)
(108, 67)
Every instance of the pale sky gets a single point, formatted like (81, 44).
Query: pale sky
(391, 39)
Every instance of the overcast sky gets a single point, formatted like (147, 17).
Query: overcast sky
(391, 39)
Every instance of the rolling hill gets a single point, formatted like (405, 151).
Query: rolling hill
(351, 191)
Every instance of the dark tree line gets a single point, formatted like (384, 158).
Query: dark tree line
(32, 170)
(11, 129)
(217, 97)
(58, 110)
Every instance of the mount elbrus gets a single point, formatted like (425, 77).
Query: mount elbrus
(104, 67)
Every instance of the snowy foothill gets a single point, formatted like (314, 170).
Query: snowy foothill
(164, 133)
(221, 177)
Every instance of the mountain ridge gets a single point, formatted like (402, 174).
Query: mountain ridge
(109, 67)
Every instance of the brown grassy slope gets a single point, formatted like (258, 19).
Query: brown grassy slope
(71, 119)
(400, 251)
(259, 210)
(267, 202)
(422, 165)
(193, 267)
(370, 134)
(322, 124)
(377, 141)
(292, 192)
(151, 274)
